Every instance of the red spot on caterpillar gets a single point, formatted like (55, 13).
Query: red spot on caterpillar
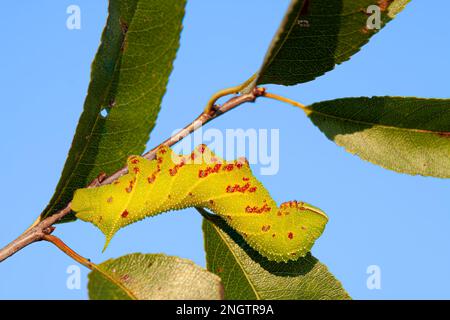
(151, 179)
(136, 170)
(134, 160)
(264, 208)
(190, 194)
(208, 170)
(244, 187)
(239, 165)
(290, 235)
(202, 174)
(292, 204)
(201, 148)
(162, 149)
(124, 214)
(211, 202)
(174, 170)
(238, 188)
(273, 235)
(245, 179)
(130, 186)
(228, 167)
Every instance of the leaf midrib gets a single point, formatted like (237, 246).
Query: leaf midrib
(237, 261)
(310, 111)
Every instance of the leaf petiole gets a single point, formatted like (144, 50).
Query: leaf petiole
(85, 262)
(67, 250)
(287, 100)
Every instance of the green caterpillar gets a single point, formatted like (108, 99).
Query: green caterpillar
(201, 179)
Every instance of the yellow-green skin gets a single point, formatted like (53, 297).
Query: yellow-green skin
(201, 179)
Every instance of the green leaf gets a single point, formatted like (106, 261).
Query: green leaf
(152, 277)
(201, 179)
(246, 275)
(316, 35)
(407, 135)
(128, 80)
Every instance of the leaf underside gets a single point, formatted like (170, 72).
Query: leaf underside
(407, 135)
(128, 80)
(201, 179)
(317, 35)
(153, 277)
(246, 275)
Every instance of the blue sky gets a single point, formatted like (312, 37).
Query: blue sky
(377, 217)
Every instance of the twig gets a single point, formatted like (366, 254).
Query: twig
(33, 234)
(42, 230)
